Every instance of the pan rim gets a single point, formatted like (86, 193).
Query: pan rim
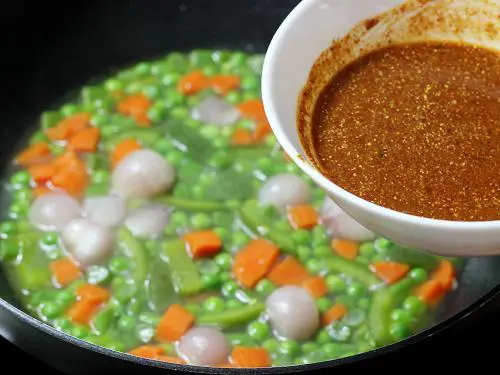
(431, 331)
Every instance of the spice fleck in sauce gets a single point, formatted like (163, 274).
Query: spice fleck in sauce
(415, 128)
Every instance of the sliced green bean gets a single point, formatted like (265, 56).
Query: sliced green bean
(160, 289)
(104, 319)
(354, 271)
(248, 152)
(416, 258)
(254, 219)
(133, 248)
(232, 317)
(186, 204)
(185, 276)
(384, 301)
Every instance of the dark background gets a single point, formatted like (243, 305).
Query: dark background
(47, 49)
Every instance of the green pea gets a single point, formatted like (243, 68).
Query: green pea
(194, 309)
(108, 130)
(220, 159)
(229, 288)
(168, 348)
(79, 332)
(175, 157)
(170, 78)
(223, 233)
(367, 249)
(118, 265)
(69, 109)
(154, 319)
(339, 332)
(419, 275)
(97, 274)
(364, 303)
(402, 316)
(289, 347)
(233, 97)
(356, 290)
(271, 345)
(414, 305)
(17, 210)
(265, 287)
(151, 91)
(335, 284)
(224, 261)
(250, 82)
(225, 276)
(21, 178)
(9, 250)
(8, 227)
(213, 304)
(378, 258)
(315, 266)
(258, 330)
(381, 245)
(239, 239)
(304, 253)
(319, 234)
(309, 347)
(301, 237)
(201, 221)
(233, 303)
(143, 68)
(50, 239)
(271, 140)
(323, 337)
(331, 350)
(100, 176)
(156, 114)
(322, 251)
(323, 304)
(163, 145)
(283, 225)
(210, 281)
(180, 113)
(51, 310)
(179, 218)
(113, 84)
(62, 324)
(64, 298)
(399, 331)
(22, 195)
(126, 323)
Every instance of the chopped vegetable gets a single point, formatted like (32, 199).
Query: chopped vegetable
(175, 322)
(203, 243)
(222, 84)
(85, 140)
(250, 357)
(136, 106)
(430, 292)
(82, 311)
(41, 173)
(254, 261)
(345, 248)
(288, 272)
(253, 109)
(242, 137)
(303, 216)
(93, 293)
(336, 312)
(124, 148)
(444, 274)
(193, 82)
(262, 130)
(65, 271)
(33, 154)
(408, 256)
(316, 286)
(390, 272)
(147, 351)
(68, 127)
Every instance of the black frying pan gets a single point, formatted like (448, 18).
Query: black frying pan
(49, 51)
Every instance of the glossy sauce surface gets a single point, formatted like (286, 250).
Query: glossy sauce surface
(415, 128)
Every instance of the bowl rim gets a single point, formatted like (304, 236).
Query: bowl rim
(416, 338)
(267, 89)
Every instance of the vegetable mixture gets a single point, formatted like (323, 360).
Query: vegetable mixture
(156, 215)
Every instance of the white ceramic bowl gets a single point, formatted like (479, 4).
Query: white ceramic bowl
(306, 32)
